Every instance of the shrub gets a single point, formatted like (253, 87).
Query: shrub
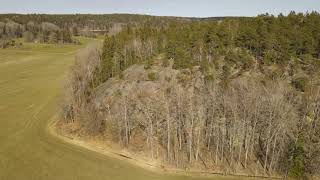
(299, 83)
(297, 168)
(152, 76)
(165, 62)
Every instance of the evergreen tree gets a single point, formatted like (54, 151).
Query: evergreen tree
(107, 59)
(297, 167)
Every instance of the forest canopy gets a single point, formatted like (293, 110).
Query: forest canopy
(233, 94)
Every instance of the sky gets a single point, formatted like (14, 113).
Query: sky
(186, 8)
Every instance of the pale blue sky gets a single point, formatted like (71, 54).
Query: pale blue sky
(195, 8)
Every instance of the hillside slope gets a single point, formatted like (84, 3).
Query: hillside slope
(207, 96)
(31, 85)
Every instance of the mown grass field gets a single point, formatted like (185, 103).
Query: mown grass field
(31, 85)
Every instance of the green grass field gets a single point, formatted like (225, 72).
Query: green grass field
(31, 84)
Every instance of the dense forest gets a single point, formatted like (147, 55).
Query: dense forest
(95, 21)
(43, 32)
(233, 95)
(44, 28)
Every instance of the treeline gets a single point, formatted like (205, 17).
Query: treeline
(286, 43)
(44, 32)
(8, 31)
(94, 21)
(83, 24)
(46, 28)
(255, 103)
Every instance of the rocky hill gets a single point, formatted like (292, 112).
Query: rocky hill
(206, 96)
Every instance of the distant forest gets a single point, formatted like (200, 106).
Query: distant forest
(255, 103)
(45, 28)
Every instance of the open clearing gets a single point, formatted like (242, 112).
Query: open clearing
(31, 82)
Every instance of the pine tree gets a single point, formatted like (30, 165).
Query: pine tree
(182, 59)
(297, 168)
(107, 57)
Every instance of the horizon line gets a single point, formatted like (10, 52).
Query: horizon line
(142, 14)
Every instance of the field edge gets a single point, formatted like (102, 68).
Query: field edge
(109, 152)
